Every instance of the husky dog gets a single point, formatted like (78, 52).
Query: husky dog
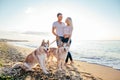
(60, 53)
(36, 57)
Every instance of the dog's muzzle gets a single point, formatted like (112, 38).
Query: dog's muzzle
(65, 49)
(47, 51)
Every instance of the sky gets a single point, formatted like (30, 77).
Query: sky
(92, 19)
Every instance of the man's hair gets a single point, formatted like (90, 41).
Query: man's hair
(59, 14)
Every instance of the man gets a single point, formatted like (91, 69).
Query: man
(57, 28)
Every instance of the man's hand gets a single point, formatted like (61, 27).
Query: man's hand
(57, 37)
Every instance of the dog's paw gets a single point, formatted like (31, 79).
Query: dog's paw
(64, 68)
(30, 70)
(46, 72)
(59, 69)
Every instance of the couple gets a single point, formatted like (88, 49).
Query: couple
(63, 32)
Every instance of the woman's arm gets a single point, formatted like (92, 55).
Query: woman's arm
(71, 30)
(69, 38)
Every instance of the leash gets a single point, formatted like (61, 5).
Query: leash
(52, 42)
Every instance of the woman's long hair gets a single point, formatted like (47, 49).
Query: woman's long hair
(70, 21)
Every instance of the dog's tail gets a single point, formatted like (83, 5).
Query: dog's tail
(17, 65)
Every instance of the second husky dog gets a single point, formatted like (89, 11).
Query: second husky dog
(60, 54)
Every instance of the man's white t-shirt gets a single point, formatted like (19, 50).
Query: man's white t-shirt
(59, 28)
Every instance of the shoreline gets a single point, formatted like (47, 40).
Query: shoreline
(98, 64)
(10, 40)
(100, 72)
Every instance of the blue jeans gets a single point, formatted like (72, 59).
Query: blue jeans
(64, 40)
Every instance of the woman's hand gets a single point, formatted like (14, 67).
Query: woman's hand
(66, 36)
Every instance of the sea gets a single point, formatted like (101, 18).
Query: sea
(102, 52)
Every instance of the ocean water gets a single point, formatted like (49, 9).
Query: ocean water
(103, 52)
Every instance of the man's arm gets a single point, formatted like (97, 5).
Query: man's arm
(54, 31)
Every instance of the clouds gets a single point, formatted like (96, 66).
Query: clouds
(28, 10)
(89, 19)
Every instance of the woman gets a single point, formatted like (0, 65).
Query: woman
(67, 36)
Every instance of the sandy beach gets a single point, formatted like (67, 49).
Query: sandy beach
(11, 54)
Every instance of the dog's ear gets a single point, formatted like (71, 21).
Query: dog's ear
(43, 41)
(47, 41)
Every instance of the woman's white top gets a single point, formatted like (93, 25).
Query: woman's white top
(68, 30)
